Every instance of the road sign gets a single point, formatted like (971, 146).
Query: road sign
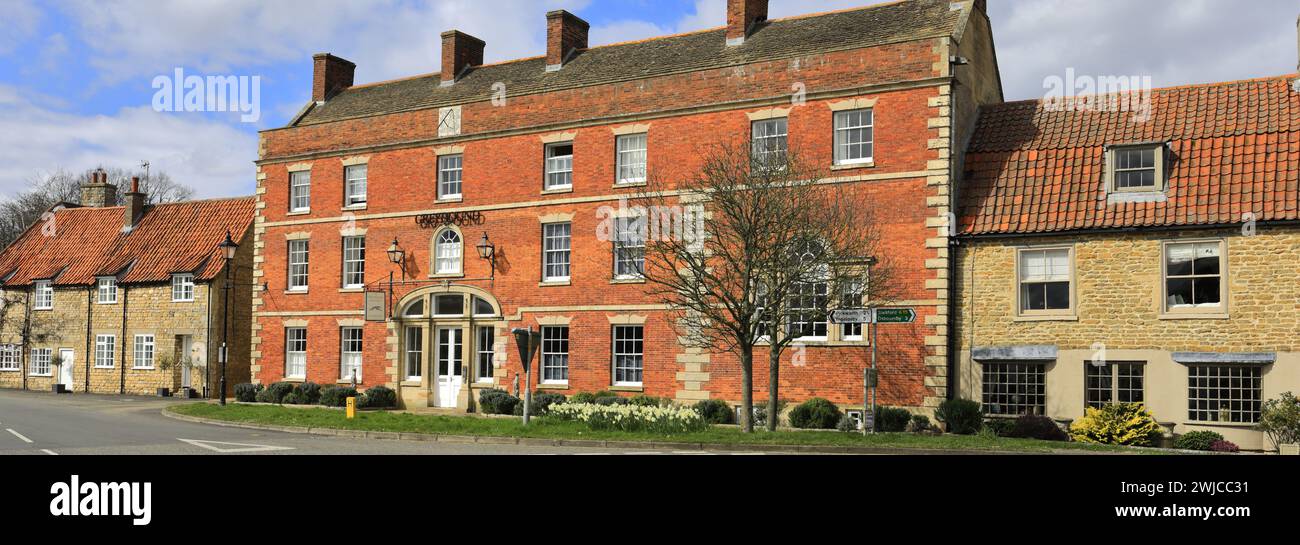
(851, 316)
(895, 315)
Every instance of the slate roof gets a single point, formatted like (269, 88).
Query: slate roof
(1234, 149)
(894, 22)
(89, 242)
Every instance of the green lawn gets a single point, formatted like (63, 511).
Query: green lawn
(549, 429)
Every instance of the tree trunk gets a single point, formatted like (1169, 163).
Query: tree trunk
(747, 389)
(773, 387)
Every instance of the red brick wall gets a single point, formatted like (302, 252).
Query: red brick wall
(509, 170)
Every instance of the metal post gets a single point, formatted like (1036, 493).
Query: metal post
(225, 331)
(528, 392)
(869, 388)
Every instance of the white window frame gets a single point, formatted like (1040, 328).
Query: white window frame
(1192, 308)
(843, 130)
(354, 265)
(299, 269)
(1049, 277)
(558, 169)
(806, 315)
(144, 352)
(770, 138)
(300, 191)
(9, 357)
(351, 352)
(851, 288)
(451, 175)
(629, 247)
(557, 251)
(42, 295)
(183, 288)
(1227, 378)
(631, 153)
(42, 362)
(295, 338)
(551, 353)
(105, 349)
(484, 353)
(106, 287)
(449, 255)
(628, 349)
(355, 185)
(413, 354)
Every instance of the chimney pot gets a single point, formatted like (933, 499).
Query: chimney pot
(97, 193)
(742, 16)
(460, 51)
(134, 205)
(565, 33)
(330, 75)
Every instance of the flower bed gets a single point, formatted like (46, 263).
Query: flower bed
(633, 418)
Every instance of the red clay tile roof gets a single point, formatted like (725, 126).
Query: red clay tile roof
(89, 242)
(1234, 149)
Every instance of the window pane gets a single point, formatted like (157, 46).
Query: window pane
(1224, 393)
(1014, 389)
(1205, 291)
(356, 184)
(354, 262)
(450, 172)
(631, 158)
(449, 249)
(556, 244)
(350, 363)
(555, 354)
(628, 354)
(414, 352)
(298, 264)
(483, 308)
(1180, 291)
(449, 305)
(299, 190)
(486, 356)
(559, 165)
(629, 247)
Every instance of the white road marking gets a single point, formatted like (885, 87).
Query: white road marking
(238, 447)
(18, 435)
(50, 452)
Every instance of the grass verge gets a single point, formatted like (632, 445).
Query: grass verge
(543, 428)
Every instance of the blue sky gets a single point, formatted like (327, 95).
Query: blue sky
(76, 75)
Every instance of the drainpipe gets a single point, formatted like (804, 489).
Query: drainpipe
(23, 357)
(126, 296)
(90, 293)
(207, 352)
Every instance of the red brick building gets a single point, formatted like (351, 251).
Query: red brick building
(526, 152)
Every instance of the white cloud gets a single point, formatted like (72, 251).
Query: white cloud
(210, 156)
(22, 18)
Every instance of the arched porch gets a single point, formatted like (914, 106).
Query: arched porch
(450, 340)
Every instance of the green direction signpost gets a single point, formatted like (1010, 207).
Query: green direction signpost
(870, 378)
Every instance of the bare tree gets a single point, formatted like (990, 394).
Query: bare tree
(763, 242)
(46, 190)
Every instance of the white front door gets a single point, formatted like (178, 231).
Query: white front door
(451, 368)
(187, 360)
(67, 360)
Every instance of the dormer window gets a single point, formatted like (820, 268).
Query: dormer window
(1137, 168)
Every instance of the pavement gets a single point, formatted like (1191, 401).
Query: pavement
(41, 423)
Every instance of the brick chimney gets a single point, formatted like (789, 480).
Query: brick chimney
(134, 205)
(460, 51)
(98, 193)
(565, 32)
(742, 16)
(330, 75)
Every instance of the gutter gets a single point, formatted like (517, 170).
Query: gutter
(1125, 230)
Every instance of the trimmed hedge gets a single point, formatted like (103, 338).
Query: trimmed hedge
(247, 393)
(892, 419)
(642, 400)
(1032, 426)
(497, 401)
(961, 416)
(337, 396)
(1197, 440)
(276, 393)
(379, 397)
(816, 413)
(716, 411)
(308, 392)
(1000, 427)
(920, 424)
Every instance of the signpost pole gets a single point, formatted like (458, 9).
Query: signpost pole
(872, 377)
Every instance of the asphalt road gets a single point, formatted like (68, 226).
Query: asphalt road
(41, 423)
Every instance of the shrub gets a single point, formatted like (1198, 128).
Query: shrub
(275, 393)
(497, 401)
(1224, 446)
(642, 400)
(1279, 419)
(847, 425)
(379, 397)
(920, 424)
(1197, 440)
(1033, 426)
(892, 419)
(293, 398)
(247, 393)
(337, 396)
(715, 411)
(961, 416)
(1001, 427)
(760, 411)
(1127, 424)
(308, 393)
(631, 418)
(816, 413)
(607, 401)
(542, 403)
(583, 398)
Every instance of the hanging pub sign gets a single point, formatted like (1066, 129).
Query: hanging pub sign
(459, 219)
(376, 306)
